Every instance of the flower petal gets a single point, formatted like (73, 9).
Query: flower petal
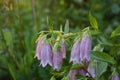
(75, 53)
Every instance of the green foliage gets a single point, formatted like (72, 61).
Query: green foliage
(66, 30)
(21, 20)
(102, 56)
(116, 32)
(93, 21)
(101, 67)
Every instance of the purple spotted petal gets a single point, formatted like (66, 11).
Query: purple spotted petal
(38, 48)
(115, 77)
(46, 55)
(75, 53)
(72, 74)
(57, 59)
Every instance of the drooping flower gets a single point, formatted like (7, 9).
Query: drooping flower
(38, 48)
(58, 57)
(114, 77)
(75, 53)
(73, 73)
(85, 48)
(46, 55)
(91, 72)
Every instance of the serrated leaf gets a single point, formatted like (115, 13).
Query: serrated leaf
(93, 21)
(100, 68)
(66, 29)
(116, 32)
(76, 66)
(102, 56)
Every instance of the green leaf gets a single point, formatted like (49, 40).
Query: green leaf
(101, 56)
(98, 48)
(12, 72)
(93, 21)
(52, 78)
(100, 68)
(76, 66)
(116, 32)
(56, 73)
(8, 38)
(61, 28)
(65, 78)
(66, 29)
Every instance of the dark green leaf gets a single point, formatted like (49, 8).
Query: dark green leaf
(100, 68)
(101, 56)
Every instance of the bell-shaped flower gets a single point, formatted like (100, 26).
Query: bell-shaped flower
(58, 57)
(85, 48)
(73, 73)
(38, 48)
(114, 77)
(75, 53)
(82, 72)
(91, 72)
(46, 55)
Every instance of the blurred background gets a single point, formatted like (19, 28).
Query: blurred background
(21, 20)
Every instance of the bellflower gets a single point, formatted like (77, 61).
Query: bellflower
(44, 52)
(75, 52)
(38, 48)
(58, 56)
(91, 71)
(82, 72)
(85, 48)
(114, 77)
(46, 55)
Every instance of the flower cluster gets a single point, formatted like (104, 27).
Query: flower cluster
(80, 54)
(45, 54)
(81, 50)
